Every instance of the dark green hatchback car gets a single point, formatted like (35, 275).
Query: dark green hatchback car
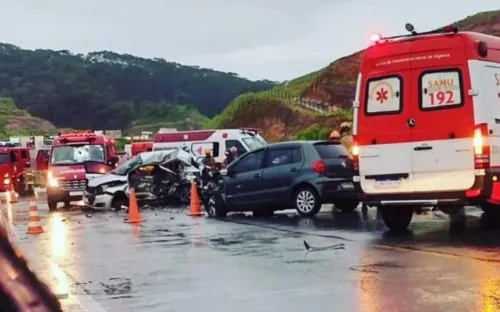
(299, 174)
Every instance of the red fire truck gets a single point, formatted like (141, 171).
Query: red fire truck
(141, 146)
(74, 159)
(13, 162)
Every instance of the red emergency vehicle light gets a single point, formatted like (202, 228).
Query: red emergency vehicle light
(77, 137)
(481, 147)
(375, 37)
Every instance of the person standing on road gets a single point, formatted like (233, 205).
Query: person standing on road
(231, 155)
(209, 161)
(346, 136)
(347, 140)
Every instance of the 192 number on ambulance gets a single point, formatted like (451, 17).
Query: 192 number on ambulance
(441, 97)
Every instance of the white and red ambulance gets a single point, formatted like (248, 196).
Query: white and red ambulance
(427, 123)
(218, 141)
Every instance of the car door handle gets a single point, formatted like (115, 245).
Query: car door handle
(257, 175)
(422, 148)
(293, 170)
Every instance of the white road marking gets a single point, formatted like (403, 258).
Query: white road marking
(85, 301)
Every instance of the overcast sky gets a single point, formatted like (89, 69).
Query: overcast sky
(273, 39)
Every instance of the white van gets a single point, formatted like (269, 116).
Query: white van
(244, 139)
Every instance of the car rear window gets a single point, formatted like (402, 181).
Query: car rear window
(440, 89)
(329, 150)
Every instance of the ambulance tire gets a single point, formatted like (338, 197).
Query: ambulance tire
(397, 218)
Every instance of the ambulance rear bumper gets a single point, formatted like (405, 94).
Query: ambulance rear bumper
(480, 191)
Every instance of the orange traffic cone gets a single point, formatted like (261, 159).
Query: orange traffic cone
(34, 223)
(13, 195)
(194, 205)
(133, 208)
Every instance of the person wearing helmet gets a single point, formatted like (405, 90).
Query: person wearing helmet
(231, 155)
(345, 136)
(209, 161)
(334, 136)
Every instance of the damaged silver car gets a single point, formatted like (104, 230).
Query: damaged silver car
(158, 178)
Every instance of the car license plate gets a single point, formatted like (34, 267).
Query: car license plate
(387, 184)
(76, 193)
(347, 185)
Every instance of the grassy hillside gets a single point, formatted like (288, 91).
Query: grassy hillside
(181, 117)
(14, 121)
(276, 112)
(83, 91)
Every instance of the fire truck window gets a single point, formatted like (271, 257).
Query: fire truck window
(4, 159)
(241, 149)
(440, 89)
(383, 96)
(13, 157)
(77, 154)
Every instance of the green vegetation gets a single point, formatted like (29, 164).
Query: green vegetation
(10, 116)
(168, 115)
(106, 90)
(287, 92)
(120, 144)
(314, 133)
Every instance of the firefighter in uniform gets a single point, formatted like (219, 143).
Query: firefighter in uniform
(346, 136)
(334, 136)
(347, 141)
(209, 161)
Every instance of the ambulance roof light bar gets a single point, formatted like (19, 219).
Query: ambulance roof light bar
(377, 38)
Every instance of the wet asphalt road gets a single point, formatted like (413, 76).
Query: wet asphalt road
(172, 262)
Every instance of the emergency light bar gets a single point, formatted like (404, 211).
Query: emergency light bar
(77, 137)
(249, 130)
(443, 30)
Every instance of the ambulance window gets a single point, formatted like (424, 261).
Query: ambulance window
(241, 149)
(383, 95)
(440, 89)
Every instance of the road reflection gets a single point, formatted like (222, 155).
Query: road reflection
(58, 235)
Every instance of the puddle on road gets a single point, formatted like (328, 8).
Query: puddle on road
(372, 267)
(114, 286)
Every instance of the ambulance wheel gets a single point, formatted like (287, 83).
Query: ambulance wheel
(67, 204)
(397, 218)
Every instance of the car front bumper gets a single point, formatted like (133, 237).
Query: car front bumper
(98, 202)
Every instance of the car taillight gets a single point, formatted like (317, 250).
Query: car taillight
(318, 166)
(481, 147)
(355, 155)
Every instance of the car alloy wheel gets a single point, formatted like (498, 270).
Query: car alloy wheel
(305, 201)
(212, 210)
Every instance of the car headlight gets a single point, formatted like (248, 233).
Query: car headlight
(6, 181)
(6, 175)
(51, 181)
